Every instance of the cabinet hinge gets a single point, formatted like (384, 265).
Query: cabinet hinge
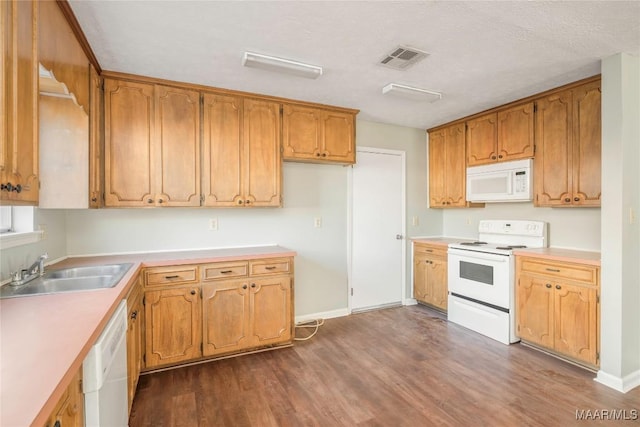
(598, 299)
(144, 357)
(144, 300)
(202, 198)
(201, 348)
(534, 148)
(535, 107)
(597, 357)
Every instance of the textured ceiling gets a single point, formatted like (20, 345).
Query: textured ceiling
(482, 54)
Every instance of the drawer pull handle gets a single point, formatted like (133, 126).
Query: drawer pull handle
(271, 267)
(548, 285)
(226, 271)
(175, 276)
(428, 250)
(555, 270)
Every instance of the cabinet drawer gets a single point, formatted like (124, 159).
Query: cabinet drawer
(587, 274)
(224, 270)
(264, 267)
(171, 275)
(431, 250)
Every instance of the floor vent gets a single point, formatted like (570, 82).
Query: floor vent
(403, 57)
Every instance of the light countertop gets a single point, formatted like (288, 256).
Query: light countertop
(45, 338)
(444, 241)
(558, 254)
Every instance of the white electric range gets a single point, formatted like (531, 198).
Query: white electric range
(481, 276)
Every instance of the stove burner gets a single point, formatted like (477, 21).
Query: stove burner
(511, 247)
(473, 243)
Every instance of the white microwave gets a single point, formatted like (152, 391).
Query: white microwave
(501, 182)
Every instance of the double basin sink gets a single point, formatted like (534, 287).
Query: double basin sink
(69, 280)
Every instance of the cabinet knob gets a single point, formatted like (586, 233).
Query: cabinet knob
(548, 285)
(448, 203)
(324, 154)
(160, 200)
(493, 157)
(134, 315)
(567, 200)
(253, 285)
(500, 156)
(443, 203)
(17, 188)
(247, 202)
(244, 286)
(193, 291)
(149, 200)
(240, 202)
(317, 154)
(558, 287)
(8, 186)
(57, 424)
(576, 199)
(94, 199)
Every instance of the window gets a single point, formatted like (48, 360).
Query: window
(17, 226)
(6, 219)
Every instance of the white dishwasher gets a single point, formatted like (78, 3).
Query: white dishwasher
(105, 375)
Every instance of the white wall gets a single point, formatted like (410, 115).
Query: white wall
(575, 228)
(55, 244)
(620, 325)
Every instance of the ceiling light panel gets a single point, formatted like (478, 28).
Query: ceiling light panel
(281, 65)
(411, 92)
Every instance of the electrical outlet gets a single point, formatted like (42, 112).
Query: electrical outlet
(43, 228)
(317, 222)
(415, 221)
(213, 224)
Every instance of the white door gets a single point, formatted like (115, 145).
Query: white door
(377, 224)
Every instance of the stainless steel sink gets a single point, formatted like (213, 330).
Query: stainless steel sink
(69, 280)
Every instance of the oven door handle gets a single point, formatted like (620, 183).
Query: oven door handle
(470, 254)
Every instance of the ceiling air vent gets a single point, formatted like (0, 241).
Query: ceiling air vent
(403, 57)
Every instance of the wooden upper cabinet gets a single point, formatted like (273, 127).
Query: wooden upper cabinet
(567, 163)
(96, 142)
(482, 140)
(587, 137)
(261, 151)
(318, 135)
(19, 109)
(152, 151)
(502, 136)
(515, 132)
(447, 171)
(241, 149)
(178, 145)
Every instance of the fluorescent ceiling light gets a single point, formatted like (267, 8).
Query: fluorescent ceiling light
(281, 65)
(411, 92)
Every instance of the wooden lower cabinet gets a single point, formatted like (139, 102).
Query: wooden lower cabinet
(558, 308)
(173, 325)
(135, 338)
(430, 275)
(69, 412)
(235, 307)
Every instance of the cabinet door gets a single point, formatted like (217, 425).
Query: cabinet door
(130, 156)
(69, 412)
(173, 326)
(437, 170)
(19, 141)
(225, 313)
(96, 150)
(515, 133)
(262, 165)
(338, 137)
(535, 302)
(420, 272)
(271, 312)
(222, 150)
(576, 322)
(178, 138)
(553, 178)
(437, 278)
(301, 133)
(482, 138)
(587, 145)
(456, 170)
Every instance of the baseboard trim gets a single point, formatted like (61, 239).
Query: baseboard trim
(323, 315)
(623, 385)
(410, 301)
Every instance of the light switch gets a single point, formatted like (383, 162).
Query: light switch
(213, 224)
(317, 222)
(415, 221)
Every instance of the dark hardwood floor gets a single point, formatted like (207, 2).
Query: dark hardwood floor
(396, 367)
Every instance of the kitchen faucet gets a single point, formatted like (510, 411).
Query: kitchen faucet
(28, 274)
